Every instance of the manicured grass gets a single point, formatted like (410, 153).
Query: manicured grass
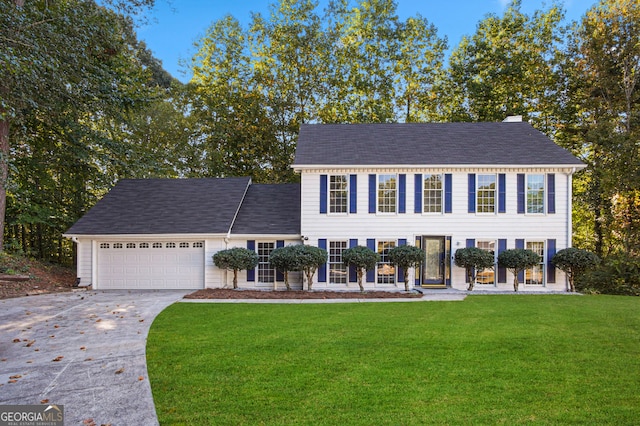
(487, 360)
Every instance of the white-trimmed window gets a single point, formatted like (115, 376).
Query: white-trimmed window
(170, 245)
(131, 245)
(387, 193)
(117, 245)
(535, 193)
(184, 245)
(337, 269)
(198, 244)
(487, 275)
(386, 271)
(432, 193)
(535, 275)
(156, 245)
(486, 194)
(104, 245)
(338, 194)
(144, 245)
(266, 274)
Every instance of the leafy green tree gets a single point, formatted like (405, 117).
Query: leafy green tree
(418, 69)
(517, 260)
(68, 68)
(310, 258)
(234, 135)
(601, 75)
(285, 259)
(473, 259)
(362, 258)
(507, 67)
(406, 257)
(574, 262)
(289, 50)
(236, 259)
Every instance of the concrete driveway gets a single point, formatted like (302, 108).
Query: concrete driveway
(84, 350)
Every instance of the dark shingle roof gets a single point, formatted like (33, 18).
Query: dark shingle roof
(515, 143)
(165, 206)
(270, 209)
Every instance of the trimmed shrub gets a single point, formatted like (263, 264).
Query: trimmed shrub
(236, 259)
(285, 259)
(473, 259)
(406, 257)
(574, 262)
(362, 258)
(310, 258)
(517, 260)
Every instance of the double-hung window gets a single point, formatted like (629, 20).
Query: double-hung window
(535, 193)
(386, 269)
(338, 194)
(266, 273)
(487, 275)
(337, 269)
(387, 193)
(486, 194)
(432, 193)
(535, 275)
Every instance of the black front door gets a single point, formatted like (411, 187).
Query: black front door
(434, 269)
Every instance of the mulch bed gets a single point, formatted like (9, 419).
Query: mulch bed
(223, 293)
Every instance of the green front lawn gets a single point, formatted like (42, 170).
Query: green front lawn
(488, 360)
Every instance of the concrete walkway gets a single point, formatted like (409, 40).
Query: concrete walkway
(84, 350)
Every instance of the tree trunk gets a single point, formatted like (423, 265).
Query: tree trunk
(406, 279)
(360, 279)
(4, 172)
(309, 275)
(235, 279)
(286, 280)
(515, 280)
(471, 279)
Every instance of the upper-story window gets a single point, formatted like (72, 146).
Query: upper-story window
(387, 194)
(486, 194)
(535, 193)
(432, 194)
(338, 194)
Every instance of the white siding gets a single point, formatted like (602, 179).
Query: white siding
(84, 262)
(459, 225)
(218, 278)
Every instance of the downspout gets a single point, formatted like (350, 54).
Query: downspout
(569, 214)
(570, 207)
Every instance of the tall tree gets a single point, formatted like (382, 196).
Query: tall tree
(418, 70)
(235, 134)
(360, 79)
(507, 67)
(289, 50)
(602, 121)
(55, 55)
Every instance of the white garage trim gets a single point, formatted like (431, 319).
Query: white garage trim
(152, 264)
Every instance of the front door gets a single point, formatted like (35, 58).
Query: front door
(434, 270)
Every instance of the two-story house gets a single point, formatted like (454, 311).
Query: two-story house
(439, 186)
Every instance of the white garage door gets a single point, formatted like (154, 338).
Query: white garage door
(151, 265)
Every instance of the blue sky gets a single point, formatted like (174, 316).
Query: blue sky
(175, 25)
